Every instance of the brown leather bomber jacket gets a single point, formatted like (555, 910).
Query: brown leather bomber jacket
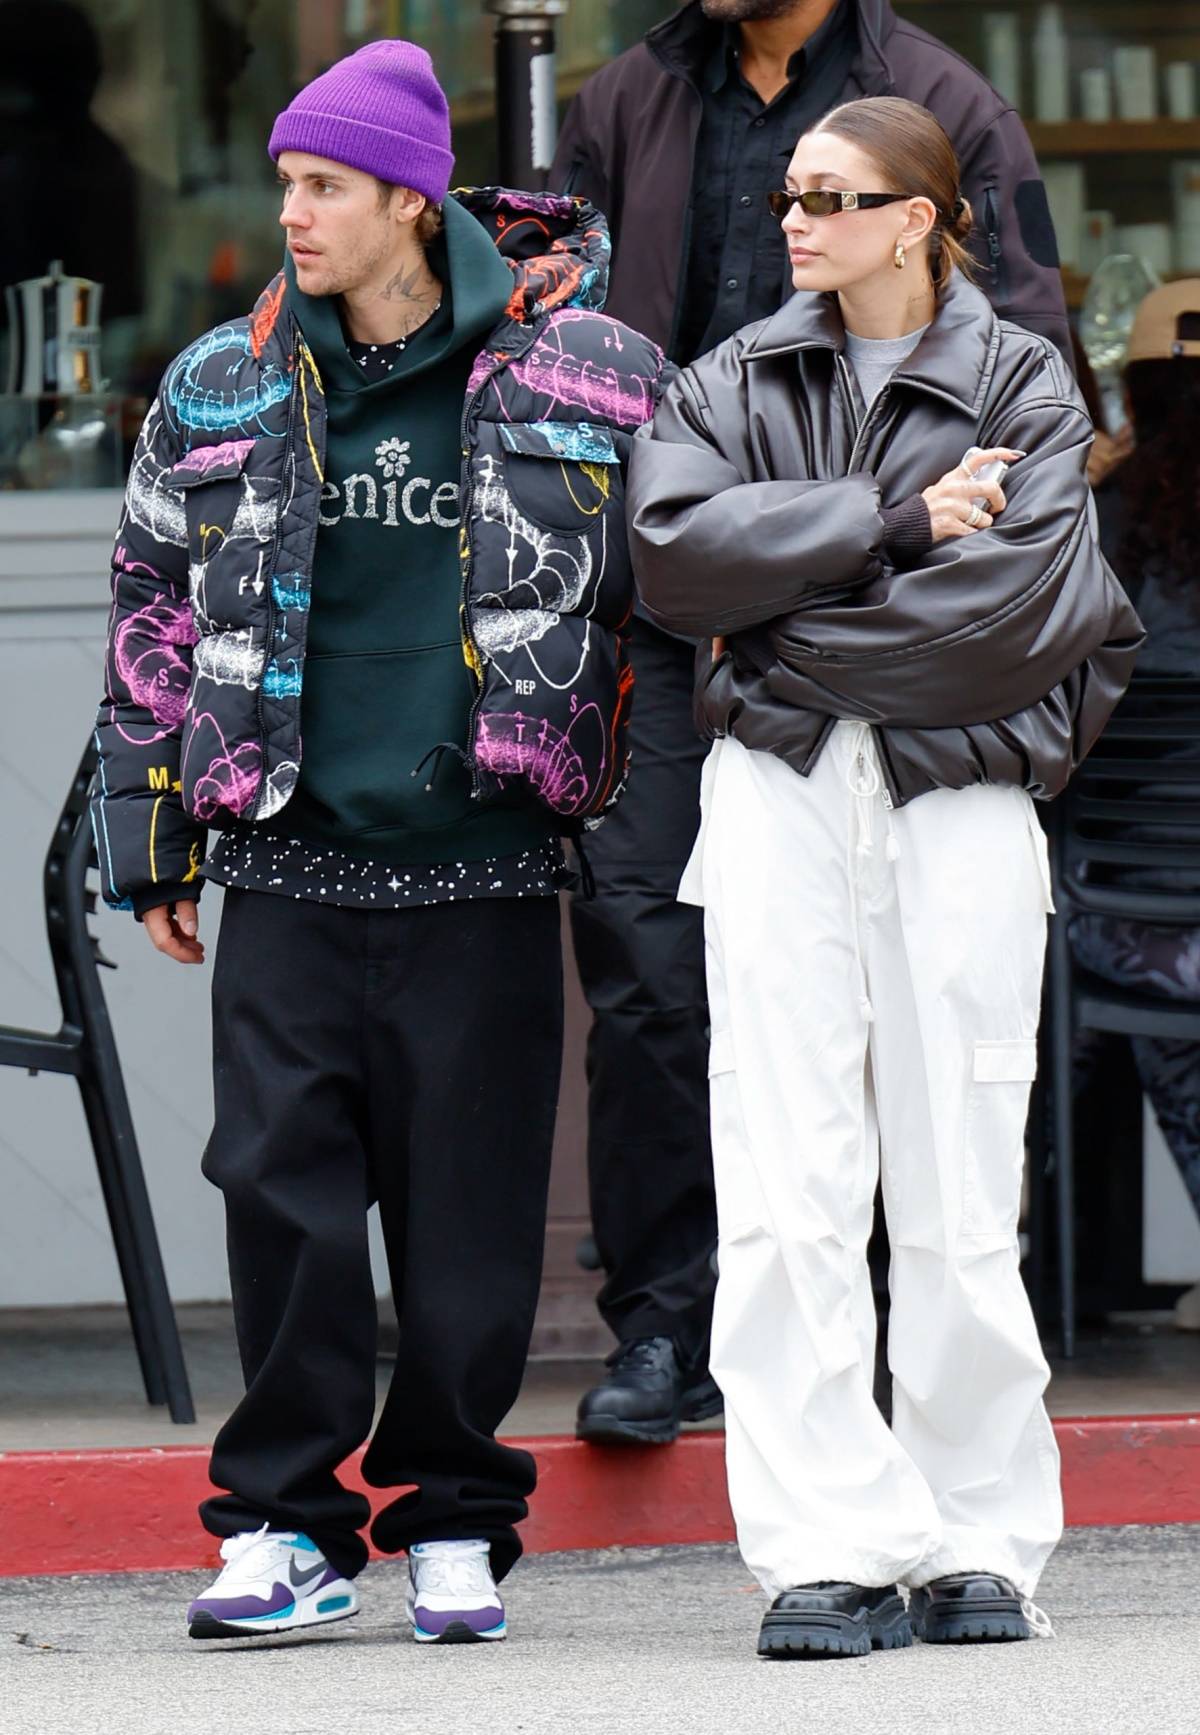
(754, 513)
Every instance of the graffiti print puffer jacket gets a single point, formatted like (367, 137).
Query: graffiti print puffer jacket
(212, 570)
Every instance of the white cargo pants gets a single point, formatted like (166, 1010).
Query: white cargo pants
(874, 981)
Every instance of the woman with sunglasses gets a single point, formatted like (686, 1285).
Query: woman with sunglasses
(905, 655)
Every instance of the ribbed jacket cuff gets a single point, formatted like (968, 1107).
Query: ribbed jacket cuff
(154, 897)
(907, 531)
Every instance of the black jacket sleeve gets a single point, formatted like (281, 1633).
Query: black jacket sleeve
(150, 851)
(713, 553)
(981, 625)
(578, 169)
(1013, 236)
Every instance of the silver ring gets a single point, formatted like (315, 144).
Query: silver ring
(975, 518)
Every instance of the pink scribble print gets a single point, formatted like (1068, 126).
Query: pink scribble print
(604, 392)
(230, 781)
(514, 745)
(205, 458)
(148, 655)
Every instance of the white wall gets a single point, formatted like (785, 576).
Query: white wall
(55, 1247)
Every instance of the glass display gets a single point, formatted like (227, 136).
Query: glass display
(133, 135)
(1108, 93)
(133, 156)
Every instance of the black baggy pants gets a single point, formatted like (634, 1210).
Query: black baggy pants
(641, 961)
(412, 1057)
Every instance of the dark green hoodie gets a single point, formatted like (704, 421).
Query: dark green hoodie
(384, 677)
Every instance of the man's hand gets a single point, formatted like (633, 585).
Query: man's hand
(949, 501)
(173, 929)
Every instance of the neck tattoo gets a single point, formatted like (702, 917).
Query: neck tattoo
(417, 294)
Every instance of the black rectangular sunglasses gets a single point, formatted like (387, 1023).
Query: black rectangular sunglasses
(824, 201)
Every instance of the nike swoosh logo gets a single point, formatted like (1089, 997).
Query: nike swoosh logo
(300, 1579)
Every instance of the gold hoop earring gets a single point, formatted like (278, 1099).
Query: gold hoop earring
(899, 256)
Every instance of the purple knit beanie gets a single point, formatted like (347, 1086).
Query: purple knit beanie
(382, 110)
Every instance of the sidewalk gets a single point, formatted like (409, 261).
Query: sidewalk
(645, 1642)
(69, 1380)
(93, 1480)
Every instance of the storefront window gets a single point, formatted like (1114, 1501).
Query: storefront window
(1108, 93)
(132, 159)
(137, 203)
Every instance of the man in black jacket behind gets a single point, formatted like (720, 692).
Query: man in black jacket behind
(678, 141)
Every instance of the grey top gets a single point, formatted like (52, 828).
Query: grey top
(875, 359)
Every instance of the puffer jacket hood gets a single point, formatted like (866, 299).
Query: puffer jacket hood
(755, 513)
(212, 572)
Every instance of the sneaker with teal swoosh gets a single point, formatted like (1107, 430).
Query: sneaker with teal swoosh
(452, 1596)
(273, 1581)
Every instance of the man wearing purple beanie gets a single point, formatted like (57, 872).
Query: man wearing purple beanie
(370, 594)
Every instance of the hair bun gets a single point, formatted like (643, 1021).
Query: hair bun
(961, 219)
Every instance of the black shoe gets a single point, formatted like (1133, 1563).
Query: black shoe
(644, 1396)
(834, 1620)
(701, 1400)
(968, 1608)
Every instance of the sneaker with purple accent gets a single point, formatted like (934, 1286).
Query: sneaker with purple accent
(452, 1596)
(273, 1581)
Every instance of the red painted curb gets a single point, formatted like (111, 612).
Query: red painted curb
(135, 1510)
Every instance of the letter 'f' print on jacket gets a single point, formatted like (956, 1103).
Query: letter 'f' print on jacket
(212, 570)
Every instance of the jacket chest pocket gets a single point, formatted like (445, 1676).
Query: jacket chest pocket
(563, 477)
(232, 525)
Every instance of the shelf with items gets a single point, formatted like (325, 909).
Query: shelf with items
(1075, 284)
(1075, 138)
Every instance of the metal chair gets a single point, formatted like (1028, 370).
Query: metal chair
(1133, 805)
(84, 1047)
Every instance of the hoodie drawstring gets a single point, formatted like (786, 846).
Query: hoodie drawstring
(435, 753)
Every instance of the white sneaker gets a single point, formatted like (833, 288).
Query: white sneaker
(452, 1596)
(273, 1581)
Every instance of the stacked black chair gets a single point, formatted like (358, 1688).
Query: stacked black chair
(84, 1048)
(1133, 805)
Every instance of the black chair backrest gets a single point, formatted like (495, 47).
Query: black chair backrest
(1128, 831)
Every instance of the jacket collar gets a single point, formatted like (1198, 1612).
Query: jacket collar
(683, 44)
(953, 360)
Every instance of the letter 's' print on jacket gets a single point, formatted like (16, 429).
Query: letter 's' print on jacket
(212, 571)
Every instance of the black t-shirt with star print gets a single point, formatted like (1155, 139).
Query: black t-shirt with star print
(378, 360)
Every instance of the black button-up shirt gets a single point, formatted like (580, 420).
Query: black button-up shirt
(737, 267)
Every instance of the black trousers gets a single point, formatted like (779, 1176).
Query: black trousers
(641, 962)
(412, 1057)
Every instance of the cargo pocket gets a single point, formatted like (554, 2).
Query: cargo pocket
(994, 1158)
(563, 476)
(232, 520)
(741, 1209)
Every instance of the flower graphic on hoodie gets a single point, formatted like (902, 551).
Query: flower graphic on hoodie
(393, 456)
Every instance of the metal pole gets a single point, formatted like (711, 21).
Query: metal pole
(526, 111)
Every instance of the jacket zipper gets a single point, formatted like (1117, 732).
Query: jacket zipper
(464, 595)
(289, 431)
(863, 428)
(890, 791)
(991, 227)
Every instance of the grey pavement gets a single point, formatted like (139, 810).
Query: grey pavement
(69, 1379)
(645, 1641)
